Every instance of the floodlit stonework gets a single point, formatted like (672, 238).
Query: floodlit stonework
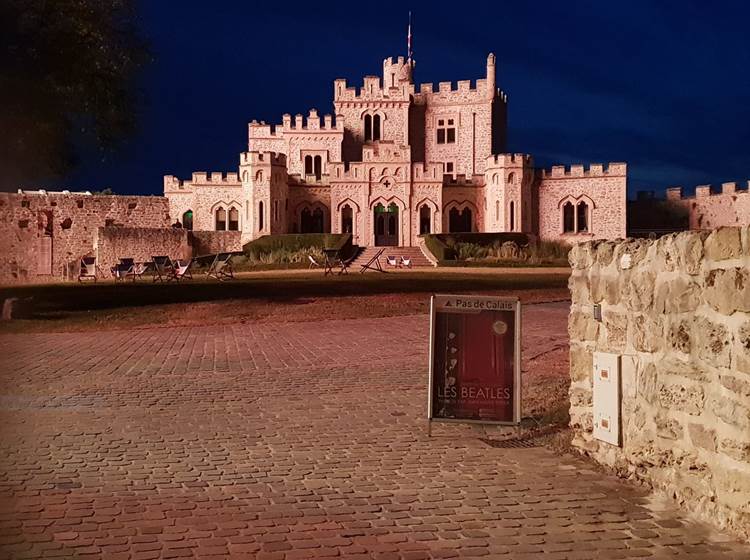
(708, 209)
(397, 161)
(677, 310)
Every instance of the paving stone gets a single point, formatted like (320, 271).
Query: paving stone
(283, 441)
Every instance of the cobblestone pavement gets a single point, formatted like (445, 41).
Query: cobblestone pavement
(287, 441)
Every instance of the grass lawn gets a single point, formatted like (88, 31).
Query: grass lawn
(271, 296)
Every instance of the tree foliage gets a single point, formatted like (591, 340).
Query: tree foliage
(67, 78)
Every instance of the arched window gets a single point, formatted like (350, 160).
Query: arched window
(259, 177)
(368, 128)
(497, 210)
(187, 220)
(459, 221)
(425, 220)
(347, 219)
(221, 219)
(318, 167)
(582, 217)
(569, 222)
(261, 217)
(512, 216)
(244, 176)
(511, 178)
(376, 127)
(308, 165)
(234, 219)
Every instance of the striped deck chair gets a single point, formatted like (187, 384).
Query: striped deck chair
(181, 270)
(87, 269)
(221, 267)
(163, 268)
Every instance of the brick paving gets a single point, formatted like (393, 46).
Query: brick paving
(286, 441)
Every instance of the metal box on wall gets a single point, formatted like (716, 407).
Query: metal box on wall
(607, 397)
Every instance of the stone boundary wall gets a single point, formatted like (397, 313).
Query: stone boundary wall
(210, 242)
(43, 235)
(709, 209)
(112, 244)
(679, 316)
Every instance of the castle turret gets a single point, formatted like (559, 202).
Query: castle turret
(491, 79)
(397, 71)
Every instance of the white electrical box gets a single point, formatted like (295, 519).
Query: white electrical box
(607, 397)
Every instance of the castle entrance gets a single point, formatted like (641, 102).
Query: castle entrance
(385, 221)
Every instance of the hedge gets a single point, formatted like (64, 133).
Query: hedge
(297, 241)
(441, 245)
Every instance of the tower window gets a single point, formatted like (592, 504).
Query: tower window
(569, 220)
(449, 167)
(318, 166)
(368, 128)
(376, 127)
(446, 131)
(308, 165)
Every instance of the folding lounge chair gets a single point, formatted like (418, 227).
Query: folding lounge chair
(123, 269)
(181, 270)
(392, 261)
(139, 269)
(406, 262)
(346, 263)
(373, 263)
(221, 267)
(313, 262)
(163, 268)
(87, 269)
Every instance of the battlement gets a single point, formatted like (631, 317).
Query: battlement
(462, 180)
(298, 124)
(616, 169)
(385, 151)
(462, 86)
(44, 192)
(202, 178)
(263, 158)
(371, 91)
(705, 191)
(509, 160)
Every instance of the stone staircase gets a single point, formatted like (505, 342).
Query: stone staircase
(418, 258)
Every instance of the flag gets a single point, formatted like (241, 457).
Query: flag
(409, 52)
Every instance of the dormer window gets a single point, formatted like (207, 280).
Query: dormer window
(446, 131)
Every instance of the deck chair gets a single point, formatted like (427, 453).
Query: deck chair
(221, 267)
(162, 268)
(139, 269)
(123, 269)
(87, 269)
(391, 261)
(406, 262)
(181, 270)
(313, 262)
(346, 263)
(373, 263)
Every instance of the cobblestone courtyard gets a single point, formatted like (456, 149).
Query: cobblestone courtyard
(286, 441)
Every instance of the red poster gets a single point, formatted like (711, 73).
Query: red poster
(475, 362)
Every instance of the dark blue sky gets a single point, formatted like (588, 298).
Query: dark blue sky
(663, 86)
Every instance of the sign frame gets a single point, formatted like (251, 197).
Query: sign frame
(481, 304)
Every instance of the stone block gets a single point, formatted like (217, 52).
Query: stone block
(685, 398)
(582, 326)
(688, 248)
(604, 252)
(723, 243)
(671, 366)
(616, 328)
(731, 412)
(648, 333)
(580, 256)
(739, 386)
(668, 428)
(702, 436)
(741, 349)
(636, 248)
(581, 397)
(581, 362)
(638, 291)
(647, 385)
(629, 377)
(678, 336)
(676, 295)
(578, 284)
(728, 290)
(736, 449)
(714, 342)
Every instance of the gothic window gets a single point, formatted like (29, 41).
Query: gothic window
(260, 216)
(425, 220)
(376, 127)
(511, 178)
(497, 210)
(582, 217)
(221, 219)
(512, 216)
(446, 131)
(318, 167)
(568, 218)
(347, 219)
(187, 220)
(259, 177)
(308, 165)
(368, 128)
(234, 219)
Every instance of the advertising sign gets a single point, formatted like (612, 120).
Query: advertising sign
(475, 359)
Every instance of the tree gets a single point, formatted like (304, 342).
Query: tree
(67, 79)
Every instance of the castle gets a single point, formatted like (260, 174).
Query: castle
(397, 162)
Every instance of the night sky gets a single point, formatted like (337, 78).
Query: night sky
(663, 86)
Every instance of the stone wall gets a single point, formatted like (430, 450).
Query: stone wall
(43, 234)
(113, 243)
(211, 242)
(679, 315)
(709, 209)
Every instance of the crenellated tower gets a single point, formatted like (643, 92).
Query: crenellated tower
(508, 180)
(266, 191)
